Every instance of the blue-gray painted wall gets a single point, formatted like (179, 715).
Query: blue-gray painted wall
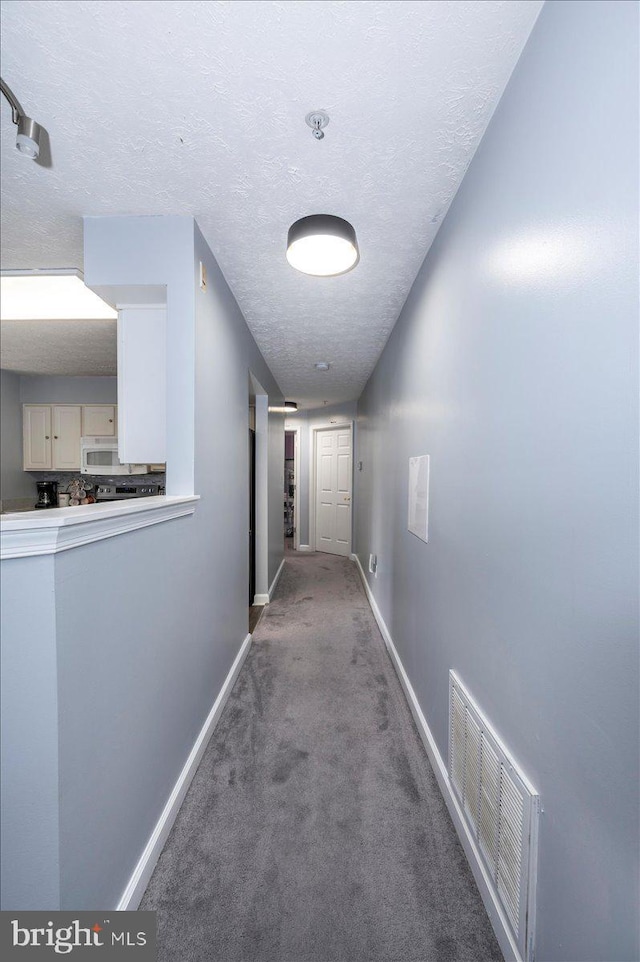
(225, 354)
(514, 365)
(29, 809)
(14, 482)
(48, 389)
(140, 630)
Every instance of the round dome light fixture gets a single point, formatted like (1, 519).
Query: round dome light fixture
(322, 245)
(290, 406)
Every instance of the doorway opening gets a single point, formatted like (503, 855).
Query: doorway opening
(254, 610)
(257, 500)
(291, 506)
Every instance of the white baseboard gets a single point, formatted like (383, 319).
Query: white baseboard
(494, 909)
(305, 547)
(142, 873)
(265, 599)
(275, 581)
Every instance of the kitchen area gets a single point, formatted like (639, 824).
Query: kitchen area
(59, 431)
(65, 454)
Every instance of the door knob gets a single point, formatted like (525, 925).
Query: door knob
(346, 499)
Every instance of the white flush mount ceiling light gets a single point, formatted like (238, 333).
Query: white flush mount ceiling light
(29, 132)
(322, 365)
(322, 245)
(55, 295)
(290, 406)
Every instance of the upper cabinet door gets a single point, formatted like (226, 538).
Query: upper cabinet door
(36, 436)
(99, 420)
(66, 437)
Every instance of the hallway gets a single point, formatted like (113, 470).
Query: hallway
(314, 830)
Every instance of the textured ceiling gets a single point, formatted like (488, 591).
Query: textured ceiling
(74, 348)
(198, 107)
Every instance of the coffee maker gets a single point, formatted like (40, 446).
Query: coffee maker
(47, 494)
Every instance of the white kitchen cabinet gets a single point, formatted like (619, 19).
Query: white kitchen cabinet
(51, 437)
(65, 450)
(99, 420)
(36, 437)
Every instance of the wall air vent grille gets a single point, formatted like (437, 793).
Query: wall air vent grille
(501, 811)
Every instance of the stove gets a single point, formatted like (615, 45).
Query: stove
(120, 492)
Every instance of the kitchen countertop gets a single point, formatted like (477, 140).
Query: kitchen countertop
(17, 505)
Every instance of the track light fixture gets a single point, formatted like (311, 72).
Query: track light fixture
(29, 132)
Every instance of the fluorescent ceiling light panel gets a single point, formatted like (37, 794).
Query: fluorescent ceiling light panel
(50, 297)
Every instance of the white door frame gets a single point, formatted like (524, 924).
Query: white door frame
(296, 499)
(312, 478)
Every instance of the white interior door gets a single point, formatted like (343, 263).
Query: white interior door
(333, 490)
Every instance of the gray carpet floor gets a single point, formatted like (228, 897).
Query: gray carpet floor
(314, 829)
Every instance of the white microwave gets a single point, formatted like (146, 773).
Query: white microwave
(100, 456)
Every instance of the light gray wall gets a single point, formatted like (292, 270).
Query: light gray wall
(138, 671)
(30, 866)
(514, 365)
(40, 389)
(147, 624)
(225, 354)
(307, 421)
(14, 482)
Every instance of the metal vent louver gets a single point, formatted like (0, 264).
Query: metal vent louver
(501, 811)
